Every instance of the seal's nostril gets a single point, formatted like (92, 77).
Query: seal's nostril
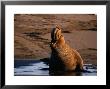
(59, 27)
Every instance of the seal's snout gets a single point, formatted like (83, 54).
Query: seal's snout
(56, 34)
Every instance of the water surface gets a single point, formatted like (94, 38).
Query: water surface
(41, 68)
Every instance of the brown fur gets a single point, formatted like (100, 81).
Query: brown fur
(63, 57)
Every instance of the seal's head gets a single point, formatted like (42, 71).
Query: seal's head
(57, 36)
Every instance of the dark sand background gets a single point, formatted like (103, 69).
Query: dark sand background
(32, 35)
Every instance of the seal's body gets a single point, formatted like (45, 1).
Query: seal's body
(63, 57)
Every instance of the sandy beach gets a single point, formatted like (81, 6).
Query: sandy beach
(32, 35)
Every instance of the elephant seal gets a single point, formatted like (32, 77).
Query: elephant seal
(63, 57)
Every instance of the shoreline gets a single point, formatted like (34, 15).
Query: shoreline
(86, 61)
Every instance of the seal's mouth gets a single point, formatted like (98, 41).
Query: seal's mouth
(56, 34)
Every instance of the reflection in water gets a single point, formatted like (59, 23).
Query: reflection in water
(41, 68)
(66, 73)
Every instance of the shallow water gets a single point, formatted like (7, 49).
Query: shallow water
(41, 68)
